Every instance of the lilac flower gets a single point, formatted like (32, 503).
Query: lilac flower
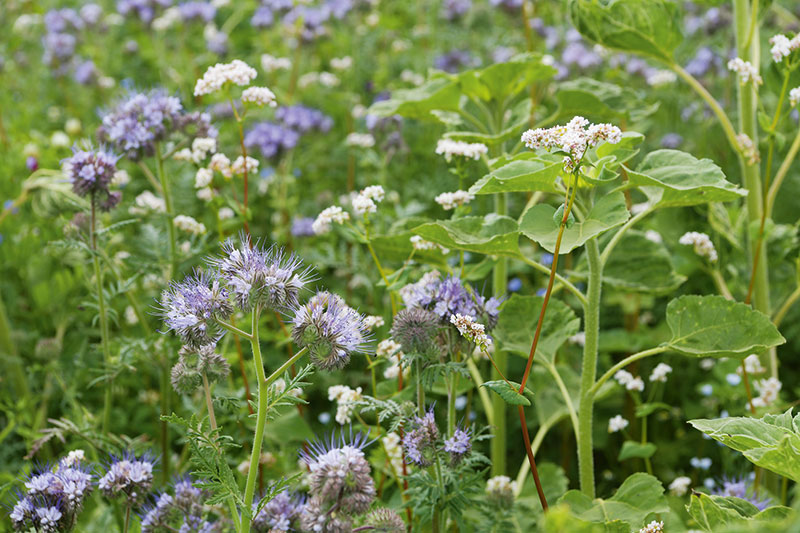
(301, 227)
(157, 517)
(420, 442)
(191, 307)
(330, 329)
(186, 508)
(145, 10)
(85, 72)
(455, 9)
(671, 140)
(128, 477)
(577, 54)
(303, 119)
(31, 163)
(62, 21)
(508, 5)
(91, 14)
(739, 487)
(194, 10)
(91, 172)
(702, 62)
(449, 297)
(340, 474)
(458, 446)
(271, 139)
(455, 61)
(262, 277)
(279, 514)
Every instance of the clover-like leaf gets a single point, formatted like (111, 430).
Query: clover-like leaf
(711, 326)
(632, 449)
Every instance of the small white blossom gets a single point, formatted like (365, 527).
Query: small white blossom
(471, 330)
(386, 348)
(121, 178)
(345, 398)
(748, 148)
(653, 236)
(794, 97)
(702, 245)
(373, 321)
(203, 178)
(341, 63)
(188, 224)
(409, 76)
(577, 136)
(206, 194)
(617, 424)
(270, 63)
(221, 164)
(661, 77)
(226, 213)
(448, 148)
(579, 338)
(752, 364)
(660, 372)
(259, 96)
(768, 392)
(74, 457)
(394, 451)
(360, 140)
(782, 46)
(653, 527)
(374, 192)
(623, 377)
(746, 71)
(636, 384)
(451, 200)
(147, 201)
(216, 76)
(363, 205)
(237, 168)
(680, 485)
(420, 244)
(329, 215)
(501, 485)
(59, 139)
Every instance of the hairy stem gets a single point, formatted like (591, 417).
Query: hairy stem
(261, 421)
(212, 420)
(101, 310)
(499, 283)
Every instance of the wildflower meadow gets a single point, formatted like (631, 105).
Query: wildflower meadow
(396, 266)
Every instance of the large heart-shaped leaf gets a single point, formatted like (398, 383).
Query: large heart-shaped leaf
(538, 225)
(441, 94)
(600, 101)
(771, 442)
(651, 27)
(520, 175)
(501, 80)
(518, 319)
(639, 264)
(489, 235)
(674, 178)
(711, 326)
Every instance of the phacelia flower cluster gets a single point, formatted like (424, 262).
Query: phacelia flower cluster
(575, 138)
(129, 478)
(291, 123)
(449, 148)
(740, 487)
(182, 512)
(194, 363)
(331, 330)
(281, 513)
(91, 173)
(422, 441)
(54, 496)
(702, 245)
(192, 308)
(500, 490)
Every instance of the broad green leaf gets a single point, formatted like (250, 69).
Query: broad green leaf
(673, 178)
(639, 496)
(647, 409)
(641, 265)
(518, 319)
(398, 248)
(624, 150)
(769, 442)
(632, 449)
(554, 483)
(521, 175)
(441, 94)
(711, 326)
(647, 27)
(600, 101)
(714, 513)
(537, 223)
(509, 393)
(502, 80)
(489, 235)
(559, 519)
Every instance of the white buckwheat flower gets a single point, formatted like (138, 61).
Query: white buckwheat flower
(221, 164)
(226, 213)
(768, 392)
(345, 398)
(328, 216)
(201, 147)
(752, 364)
(394, 451)
(577, 136)
(680, 485)
(782, 46)
(636, 384)
(147, 201)
(259, 96)
(203, 178)
(270, 63)
(794, 97)
(623, 377)
(360, 140)
(660, 372)
(471, 330)
(363, 205)
(451, 200)
(341, 63)
(617, 424)
(661, 77)
(448, 148)
(420, 244)
(373, 321)
(188, 224)
(374, 192)
(702, 245)
(746, 71)
(216, 76)
(237, 168)
(653, 527)
(386, 348)
(748, 148)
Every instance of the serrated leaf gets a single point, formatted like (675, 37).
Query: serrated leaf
(632, 449)
(520, 175)
(489, 235)
(537, 223)
(711, 326)
(672, 178)
(509, 393)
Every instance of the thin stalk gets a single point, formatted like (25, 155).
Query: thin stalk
(561, 279)
(544, 428)
(781, 174)
(173, 243)
(452, 388)
(573, 415)
(209, 403)
(612, 243)
(720, 283)
(380, 267)
(101, 309)
(240, 127)
(790, 301)
(236, 331)
(589, 370)
(127, 519)
(261, 421)
(482, 394)
(164, 398)
(19, 380)
(499, 284)
(531, 460)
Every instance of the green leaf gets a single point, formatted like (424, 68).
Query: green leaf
(632, 449)
(518, 319)
(646, 27)
(711, 326)
(673, 178)
(397, 248)
(502, 80)
(520, 175)
(641, 265)
(600, 101)
(440, 94)
(489, 235)
(624, 150)
(713, 512)
(647, 409)
(509, 393)
(771, 442)
(537, 223)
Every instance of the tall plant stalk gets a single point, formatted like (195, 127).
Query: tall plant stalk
(101, 310)
(499, 284)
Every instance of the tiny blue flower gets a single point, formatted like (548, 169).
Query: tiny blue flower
(514, 284)
(733, 379)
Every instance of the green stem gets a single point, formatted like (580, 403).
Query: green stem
(589, 370)
(166, 391)
(209, 403)
(621, 232)
(790, 301)
(573, 415)
(561, 279)
(261, 421)
(19, 381)
(173, 243)
(499, 283)
(101, 309)
(781, 174)
(482, 394)
(127, 519)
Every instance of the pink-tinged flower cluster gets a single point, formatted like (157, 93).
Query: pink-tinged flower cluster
(575, 138)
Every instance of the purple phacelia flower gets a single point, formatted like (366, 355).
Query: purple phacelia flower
(739, 487)
(302, 227)
(279, 514)
(145, 10)
(455, 61)
(271, 139)
(420, 442)
(458, 446)
(455, 9)
(202, 11)
(191, 308)
(128, 477)
(91, 172)
(303, 119)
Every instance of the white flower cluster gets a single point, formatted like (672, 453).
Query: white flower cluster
(201, 147)
(680, 485)
(421, 244)
(617, 424)
(448, 148)
(203, 178)
(579, 338)
(147, 201)
(271, 63)
(768, 390)
(329, 215)
(746, 71)
(341, 63)
(326, 79)
(451, 200)
(471, 330)
(75, 457)
(391, 350)
(360, 140)
(752, 364)
(238, 166)
(660, 372)
(627, 380)
(653, 527)
(748, 149)
(577, 136)
(661, 77)
(345, 398)
(394, 451)
(782, 46)
(221, 164)
(794, 97)
(409, 76)
(366, 201)
(501, 485)
(216, 76)
(188, 224)
(259, 96)
(702, 244)
(373, 321)
(279, 386)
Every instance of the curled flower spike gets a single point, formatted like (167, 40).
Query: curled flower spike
(91, 173)
(575, 138)
(459, 445)
(420, 442)
(191, 307)
(187, 374)
(500, 491)
(128, 477)
(262, 277)
(331, 330)
(385, 520)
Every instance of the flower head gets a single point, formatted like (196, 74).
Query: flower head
(329, 215)
(279, 514)
(383, 520)
(740, 487)
(459, 445)
(259, 96)
(416, 329)
(452, 200)
(330, 329)
(794, 97)
(191, 308)
(193, 362)
(91, 173)
(420, 442)
(747, 72)
(128, 477)
(617, 424)
(702, 245)
(500, 490)
(574, 138)
(237, 72)
(471, 330)
(449, 148)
